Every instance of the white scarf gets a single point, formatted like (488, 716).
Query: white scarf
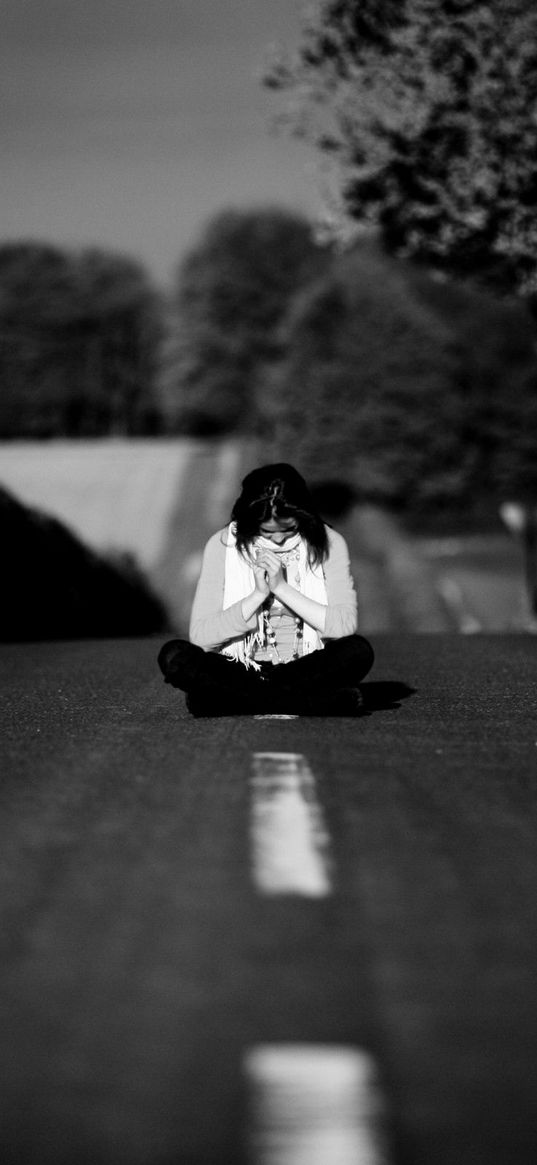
(239, 581)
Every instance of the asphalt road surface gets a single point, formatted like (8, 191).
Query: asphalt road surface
(190, 905)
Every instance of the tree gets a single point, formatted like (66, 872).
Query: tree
(399, 383)
(367, 388)
(38, 309)
(79, 342)
(231, 294)
(122, 316)
(427, 110)
(494, 342)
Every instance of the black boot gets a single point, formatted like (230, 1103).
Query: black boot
(206, 702)
(186, 666)
(342, 663)
(215, 700)
(320, 701)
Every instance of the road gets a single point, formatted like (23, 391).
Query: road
(149, 954)
(480, 578)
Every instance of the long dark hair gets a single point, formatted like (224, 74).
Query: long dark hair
(279, 491)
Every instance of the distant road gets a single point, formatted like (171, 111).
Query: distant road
(481, 580)
(166, 961)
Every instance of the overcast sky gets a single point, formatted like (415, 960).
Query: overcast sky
(128, 123)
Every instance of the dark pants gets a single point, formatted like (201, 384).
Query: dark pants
(325, 682)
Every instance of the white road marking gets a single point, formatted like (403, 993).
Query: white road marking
(314, 1105)
(289, 840)
(275, 716)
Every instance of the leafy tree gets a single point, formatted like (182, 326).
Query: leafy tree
(122, 315)
(495, 350)
(79, 341)
(367, 390)
(231, 294)
(399, 383)
(38, 308)
(427, 110)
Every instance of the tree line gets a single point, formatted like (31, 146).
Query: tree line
(79, 342)
(353, 364)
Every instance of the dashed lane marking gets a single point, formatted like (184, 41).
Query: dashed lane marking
(290, 844)
(314, 1105)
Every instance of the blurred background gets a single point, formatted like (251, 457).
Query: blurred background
(236, 231)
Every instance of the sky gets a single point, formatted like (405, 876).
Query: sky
(128, 124)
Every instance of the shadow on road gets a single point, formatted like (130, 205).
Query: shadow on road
(384, 695)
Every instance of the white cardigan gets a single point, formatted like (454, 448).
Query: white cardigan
(211, 627)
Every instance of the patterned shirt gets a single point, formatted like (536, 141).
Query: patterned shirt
(212, 628)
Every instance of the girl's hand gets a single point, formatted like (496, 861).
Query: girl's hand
(261, 581)
(271, 566)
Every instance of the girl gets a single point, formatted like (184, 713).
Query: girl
(274, 615)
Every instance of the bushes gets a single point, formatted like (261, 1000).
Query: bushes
(54, 587)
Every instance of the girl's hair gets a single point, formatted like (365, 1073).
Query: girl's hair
(279, 491)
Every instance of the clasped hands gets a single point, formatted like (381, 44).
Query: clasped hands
(268, 572)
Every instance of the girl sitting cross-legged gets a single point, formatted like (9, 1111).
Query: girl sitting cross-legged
(274, 617)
